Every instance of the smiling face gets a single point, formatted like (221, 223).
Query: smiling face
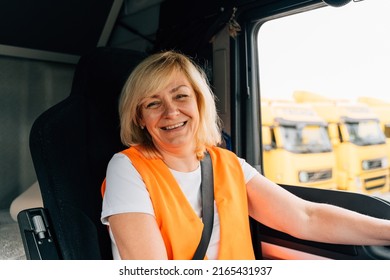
(171, 115)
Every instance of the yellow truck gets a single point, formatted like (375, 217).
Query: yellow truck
(382, 109)
(296, 146)
(358, 142)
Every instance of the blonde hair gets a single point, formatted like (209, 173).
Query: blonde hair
(152, 75)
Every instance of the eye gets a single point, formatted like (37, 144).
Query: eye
(152, 104)
(182, 96)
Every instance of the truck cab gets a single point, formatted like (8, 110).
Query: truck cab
(48, 57)
(295, 133)
(358, 141)
(382, 109)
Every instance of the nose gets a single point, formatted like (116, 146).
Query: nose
(170, 109)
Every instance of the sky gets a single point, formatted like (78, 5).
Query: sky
(339, 52)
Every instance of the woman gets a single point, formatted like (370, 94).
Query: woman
(152, 200)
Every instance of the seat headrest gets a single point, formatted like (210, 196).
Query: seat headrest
(104, 70)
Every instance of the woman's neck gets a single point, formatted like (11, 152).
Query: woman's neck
(183, 162)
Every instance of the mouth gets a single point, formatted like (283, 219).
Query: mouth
(171, 127)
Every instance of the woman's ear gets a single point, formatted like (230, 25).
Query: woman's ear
(141, 123)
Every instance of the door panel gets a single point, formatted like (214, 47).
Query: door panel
(278, 245)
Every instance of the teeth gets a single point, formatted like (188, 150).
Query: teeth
(173, 126)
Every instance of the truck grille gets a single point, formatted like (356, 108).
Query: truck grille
(375, 183)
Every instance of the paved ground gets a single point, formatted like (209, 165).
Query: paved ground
(385, 196)
(11, 245)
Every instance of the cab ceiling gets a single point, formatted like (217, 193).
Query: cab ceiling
(72, 27)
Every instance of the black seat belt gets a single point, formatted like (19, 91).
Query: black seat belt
(207, 191)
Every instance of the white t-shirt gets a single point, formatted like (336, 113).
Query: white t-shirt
(126, 192)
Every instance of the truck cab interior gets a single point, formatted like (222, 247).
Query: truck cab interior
(62, 67)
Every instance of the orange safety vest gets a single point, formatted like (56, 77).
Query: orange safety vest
(180, 227)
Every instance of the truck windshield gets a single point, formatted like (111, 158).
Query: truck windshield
(364, 133)
(305, 139)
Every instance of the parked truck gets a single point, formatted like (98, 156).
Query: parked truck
(296, 145)
(358, 142)
(382, 109)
